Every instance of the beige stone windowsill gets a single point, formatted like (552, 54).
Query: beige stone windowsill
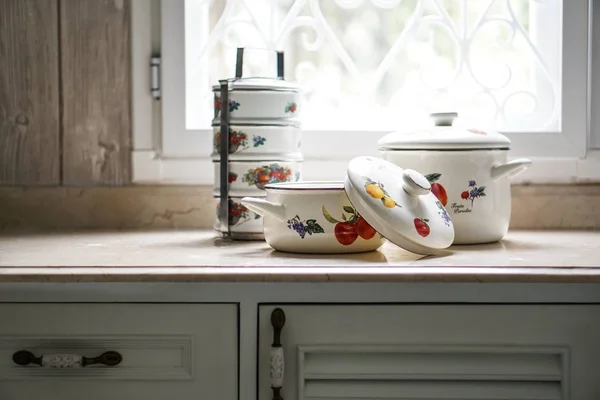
(570, 207)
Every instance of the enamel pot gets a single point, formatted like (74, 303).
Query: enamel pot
(468, 170)
(377, 200)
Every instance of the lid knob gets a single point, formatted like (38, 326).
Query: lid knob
(443, 118)
(414, 183)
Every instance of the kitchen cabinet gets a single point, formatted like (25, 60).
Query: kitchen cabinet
(444, 351)
(182, 351)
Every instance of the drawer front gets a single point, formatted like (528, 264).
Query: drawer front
(183, 351)
(525, 352)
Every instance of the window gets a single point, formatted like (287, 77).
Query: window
(369, 67)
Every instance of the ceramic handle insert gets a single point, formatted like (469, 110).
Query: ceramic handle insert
(24, 358)
(276, 360)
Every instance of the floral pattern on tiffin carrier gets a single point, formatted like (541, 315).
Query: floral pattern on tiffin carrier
(238, 213)
(290, 108)
(233, 105)
(238, 141)
(266, 174)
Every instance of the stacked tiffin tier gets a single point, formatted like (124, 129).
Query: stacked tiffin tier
(264, 131)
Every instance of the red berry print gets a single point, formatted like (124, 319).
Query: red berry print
(437, 189)
(422, 227)
(364, 229)
(464, 195)
(353, 225)
(345, 233)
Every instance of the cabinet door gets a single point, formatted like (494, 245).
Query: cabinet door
(431, 352)
(169, 351)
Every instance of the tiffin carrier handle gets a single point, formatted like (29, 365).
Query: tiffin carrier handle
(239, 63)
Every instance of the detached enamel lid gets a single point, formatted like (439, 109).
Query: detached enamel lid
(444, 136)
(399, 204)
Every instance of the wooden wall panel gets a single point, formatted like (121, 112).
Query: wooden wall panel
(96, 116)
(29, 93)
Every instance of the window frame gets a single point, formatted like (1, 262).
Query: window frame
(165, 152)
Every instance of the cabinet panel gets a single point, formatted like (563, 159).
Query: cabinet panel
(184, 350)
(434, 352)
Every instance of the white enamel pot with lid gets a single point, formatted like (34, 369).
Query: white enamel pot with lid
(377, 200)
(468, 170)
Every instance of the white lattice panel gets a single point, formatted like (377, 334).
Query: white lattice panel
(375, 64)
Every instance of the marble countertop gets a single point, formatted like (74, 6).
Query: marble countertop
(187, 256)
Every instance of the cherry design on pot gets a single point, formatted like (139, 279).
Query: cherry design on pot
(350, 228)
(309, 226)
(422, 226)
(473, 192)
(232, 177)
(436, 188)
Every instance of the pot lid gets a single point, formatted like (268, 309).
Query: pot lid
(399, 204)
(258, 83)
(444, 136)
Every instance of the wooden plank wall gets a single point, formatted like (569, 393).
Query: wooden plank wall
(65, 92)
(29, 93)
(96, 118)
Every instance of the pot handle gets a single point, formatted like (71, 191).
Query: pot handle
(239, 63)
(264, 207)
(510, 168)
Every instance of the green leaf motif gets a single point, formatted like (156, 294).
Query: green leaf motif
(328, 216)
(481, 189)
(344, 217)
(349, 209)
(313, 227)
(433, 177)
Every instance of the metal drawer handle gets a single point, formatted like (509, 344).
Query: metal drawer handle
(24, 357)
(276, 359)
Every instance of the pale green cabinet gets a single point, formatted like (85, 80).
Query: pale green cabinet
(169, 351)
(483, 352)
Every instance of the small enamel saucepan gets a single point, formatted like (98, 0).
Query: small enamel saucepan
(378, 200)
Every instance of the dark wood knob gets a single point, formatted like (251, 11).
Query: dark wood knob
(277, 321)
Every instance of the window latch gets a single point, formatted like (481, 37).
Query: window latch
(155, 74)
